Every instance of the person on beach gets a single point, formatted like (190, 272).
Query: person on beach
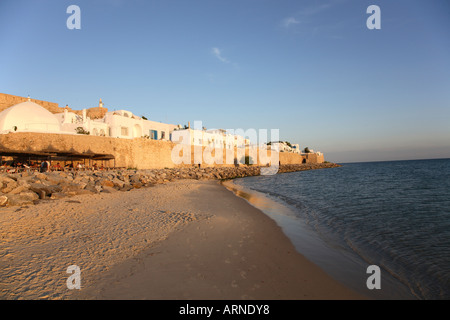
(44, 166)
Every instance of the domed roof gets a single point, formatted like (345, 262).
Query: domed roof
(28, 116)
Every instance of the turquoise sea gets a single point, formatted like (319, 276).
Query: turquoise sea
(395, 215)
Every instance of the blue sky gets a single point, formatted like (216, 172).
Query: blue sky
(309, 68)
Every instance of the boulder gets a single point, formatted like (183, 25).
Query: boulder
(73, 188)
(137, 185)
(93, 188)
(6, 180)
(118, 183)
(41, 176)
(55, 178)
(135, 178)
(58, 195)
(11, 185)
(126, 187)
(25, 180)
(106, 183)
(107, 189)
(22, 198)
(19, 189)
(3, 201)
(44, 190)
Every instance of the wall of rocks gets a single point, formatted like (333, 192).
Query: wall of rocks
(29, 187)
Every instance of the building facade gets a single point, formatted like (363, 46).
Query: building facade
(29, 116)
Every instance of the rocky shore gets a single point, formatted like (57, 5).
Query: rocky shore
(32, 187)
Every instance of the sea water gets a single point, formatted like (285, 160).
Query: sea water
(395, 215)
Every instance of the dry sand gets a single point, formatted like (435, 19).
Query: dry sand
(184, 240)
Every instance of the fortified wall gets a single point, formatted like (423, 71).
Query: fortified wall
(8, 100)
(137, 153)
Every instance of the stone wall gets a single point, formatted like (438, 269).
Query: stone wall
(8, 100)
(314, 158)
(137, 153)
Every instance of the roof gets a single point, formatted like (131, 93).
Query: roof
(28, 116)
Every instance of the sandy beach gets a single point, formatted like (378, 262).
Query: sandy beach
(188, 239)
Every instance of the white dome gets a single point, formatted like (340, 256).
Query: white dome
(28, 116)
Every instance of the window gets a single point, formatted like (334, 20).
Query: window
(124, 131)
(163, 135)
(153, 134)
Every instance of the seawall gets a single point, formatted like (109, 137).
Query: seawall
(139, 153)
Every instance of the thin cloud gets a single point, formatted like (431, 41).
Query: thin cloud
(289, 21)
(305, 14)
(218, 54)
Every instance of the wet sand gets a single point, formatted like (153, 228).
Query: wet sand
(186, 239)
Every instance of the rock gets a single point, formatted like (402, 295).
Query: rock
(22, 198)
(106, 183)
(58, 195)
(135, 178)
(41, 176)
(57, 179)
(3, 201)
(25, 180)
(118, 183)
(82, 191)
(44, 190)
(73, 188)
(10, 186)
(5, 179)
(26, 174)
(14, 176)
(107, 189)
(93, 188)
(126, 187)
(19, 189)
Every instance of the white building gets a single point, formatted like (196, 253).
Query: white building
(281, 146)
(217, 138)
(31, 117)
(296, 148)
(123, 124)
(28, 117)
(71, 122)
